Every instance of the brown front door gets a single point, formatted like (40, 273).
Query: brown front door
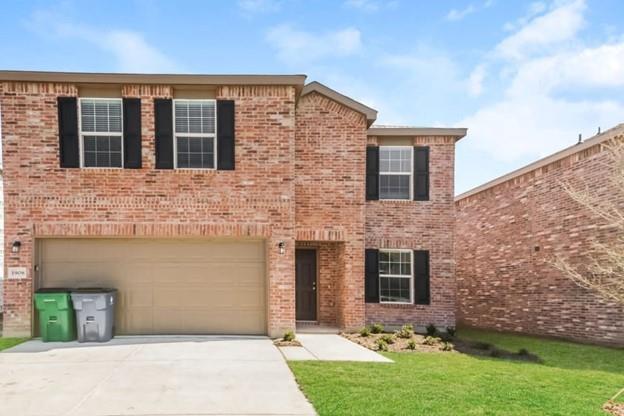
(305, 276)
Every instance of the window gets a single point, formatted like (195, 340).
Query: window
(395, 276)
(194, 138)
(395, 172)
(101, 133)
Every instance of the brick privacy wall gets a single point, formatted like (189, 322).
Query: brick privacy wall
(420, 225)
(505, 284)
(255, 200)
(329, 188)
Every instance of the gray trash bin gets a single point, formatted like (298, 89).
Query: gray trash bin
(95, 313)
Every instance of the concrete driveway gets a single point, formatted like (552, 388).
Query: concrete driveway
(150, 376)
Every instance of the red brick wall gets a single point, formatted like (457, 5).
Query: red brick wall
(507, 236)
(420, 225)
(257, 199)
(329, 188)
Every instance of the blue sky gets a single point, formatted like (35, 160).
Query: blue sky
(525, 77)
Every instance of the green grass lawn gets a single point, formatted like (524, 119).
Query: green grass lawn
(10, 342)
(572, 380)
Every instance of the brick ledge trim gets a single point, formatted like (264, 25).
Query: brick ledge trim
(320, 235)
(151, 230)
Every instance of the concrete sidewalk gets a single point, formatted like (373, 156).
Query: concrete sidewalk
(150, 376)
(330, 347)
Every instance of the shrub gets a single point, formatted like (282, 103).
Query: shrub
(411, 344)
(447, 346)
(387, 338)
(406, 331)
(364, 332)
(496, 353)
(430, 340)
(288, 336)
(431, 330)
(381, 344)
(523, 351)
(377, 328)
(481, 346)
(451, 330)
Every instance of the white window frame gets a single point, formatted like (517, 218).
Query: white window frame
(402, 276)
(92, 133)
(198, 135)
(411, 173)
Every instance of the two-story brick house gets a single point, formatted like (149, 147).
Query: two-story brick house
(223, 204)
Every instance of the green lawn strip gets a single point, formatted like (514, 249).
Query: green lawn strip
(10, 342)
(450, 383)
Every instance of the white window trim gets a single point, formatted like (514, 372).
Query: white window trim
(92, 133)
(411, 174)
(175, 134)
(402, 276)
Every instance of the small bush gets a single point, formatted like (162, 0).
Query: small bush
(451, 330)
(381, 345)
(431, 330)
(523, 351)
(387, 338)
(364, 332)
(411, 344)
(288, 336)
(406, 331)
(481, 346)
(430, 340)
(447, 346)
(377, 328)
(496, 353)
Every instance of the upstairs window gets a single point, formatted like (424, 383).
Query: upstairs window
(194, 134)
(101, 132)
(395, 276)
(395, 172)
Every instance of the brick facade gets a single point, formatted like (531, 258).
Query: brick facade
(507, 236)
(420, 225)
(299, 179)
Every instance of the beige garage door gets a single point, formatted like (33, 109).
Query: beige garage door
(166, 286)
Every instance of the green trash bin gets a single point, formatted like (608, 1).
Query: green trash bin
(57, 320)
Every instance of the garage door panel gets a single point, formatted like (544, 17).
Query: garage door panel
(167, 286)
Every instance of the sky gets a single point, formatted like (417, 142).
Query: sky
(526, 78)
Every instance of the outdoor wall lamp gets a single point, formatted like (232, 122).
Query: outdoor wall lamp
(282, 247)
(15, 248)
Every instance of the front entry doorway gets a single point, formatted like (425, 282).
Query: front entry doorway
(305, 276)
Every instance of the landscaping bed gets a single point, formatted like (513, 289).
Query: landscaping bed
(406, 341)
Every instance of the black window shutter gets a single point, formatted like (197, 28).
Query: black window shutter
(163, 119)
(421, 277)
(372, 173)
(421, 173)
(132, 132)
(371, 275)
(68, 132)
(225, 135)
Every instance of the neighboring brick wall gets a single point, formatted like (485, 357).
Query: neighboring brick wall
(256, 200)
(420, 225)
(508, 234)
(329, 188)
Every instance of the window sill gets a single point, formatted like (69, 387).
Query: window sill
(396, 305)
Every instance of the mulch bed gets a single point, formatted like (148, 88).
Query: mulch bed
(442, 343)
(282, 343)
(616, 409)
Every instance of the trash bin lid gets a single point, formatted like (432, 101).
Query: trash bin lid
(53, 290)
(94, 290)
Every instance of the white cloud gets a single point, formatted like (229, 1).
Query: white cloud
(475, 81)
(538, 112)
(131, 51)
(259, 6)
(458, 14)
(533, 10)
(370, 6)
(560, 24)
(297, 46)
